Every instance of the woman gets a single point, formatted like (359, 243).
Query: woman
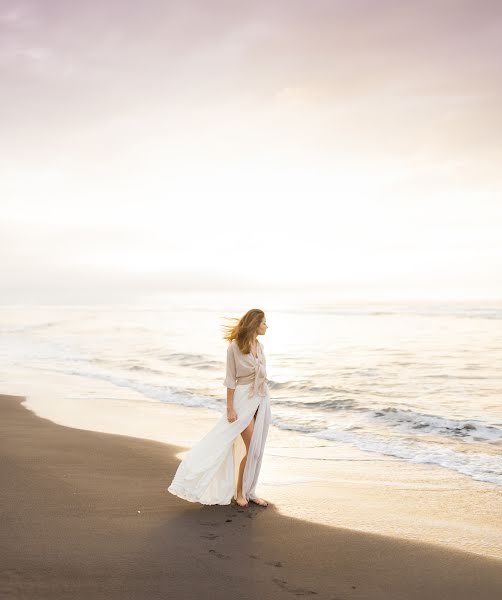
(226, 462)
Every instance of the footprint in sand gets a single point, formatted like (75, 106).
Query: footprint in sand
(218, 554)
(275, 563)
(293, 590)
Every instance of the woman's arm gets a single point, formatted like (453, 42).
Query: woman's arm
(229, 382)
(230, 397)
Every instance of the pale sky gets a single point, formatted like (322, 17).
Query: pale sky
(352, 146)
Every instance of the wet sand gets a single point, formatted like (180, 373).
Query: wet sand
(86, 515)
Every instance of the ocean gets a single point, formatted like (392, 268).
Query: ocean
(420, 381)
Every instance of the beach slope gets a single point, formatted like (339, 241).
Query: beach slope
(86, 515)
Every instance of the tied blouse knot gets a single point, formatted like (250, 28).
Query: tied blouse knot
(246, 368)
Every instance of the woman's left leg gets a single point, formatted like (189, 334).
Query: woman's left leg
(247, 434)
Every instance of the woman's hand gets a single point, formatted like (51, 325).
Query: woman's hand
(231, 415)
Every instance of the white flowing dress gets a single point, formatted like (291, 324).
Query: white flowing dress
(209, 471)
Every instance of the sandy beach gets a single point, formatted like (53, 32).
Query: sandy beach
(85, 515)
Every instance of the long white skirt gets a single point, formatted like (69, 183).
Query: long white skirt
(209, 471)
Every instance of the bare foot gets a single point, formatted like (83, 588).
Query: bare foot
(259, 501)
(241, 501)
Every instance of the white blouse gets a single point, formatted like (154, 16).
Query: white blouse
(246, 368)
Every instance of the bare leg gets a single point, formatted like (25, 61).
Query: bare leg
(256, 499)
(247, 434)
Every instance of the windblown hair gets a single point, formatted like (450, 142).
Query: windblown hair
(244, 329)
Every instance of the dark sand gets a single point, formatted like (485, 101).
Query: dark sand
(70, 528)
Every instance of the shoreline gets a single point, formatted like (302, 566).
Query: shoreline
(87, 517)
(315, 480)
(323, 483)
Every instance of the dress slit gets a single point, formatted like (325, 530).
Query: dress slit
(239, 452)
(255, 452)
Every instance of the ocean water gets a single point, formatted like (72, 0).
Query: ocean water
(420, 381)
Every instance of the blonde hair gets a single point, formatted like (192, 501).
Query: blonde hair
(243, 329)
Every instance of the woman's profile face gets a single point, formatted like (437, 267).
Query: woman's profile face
(262, 327)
